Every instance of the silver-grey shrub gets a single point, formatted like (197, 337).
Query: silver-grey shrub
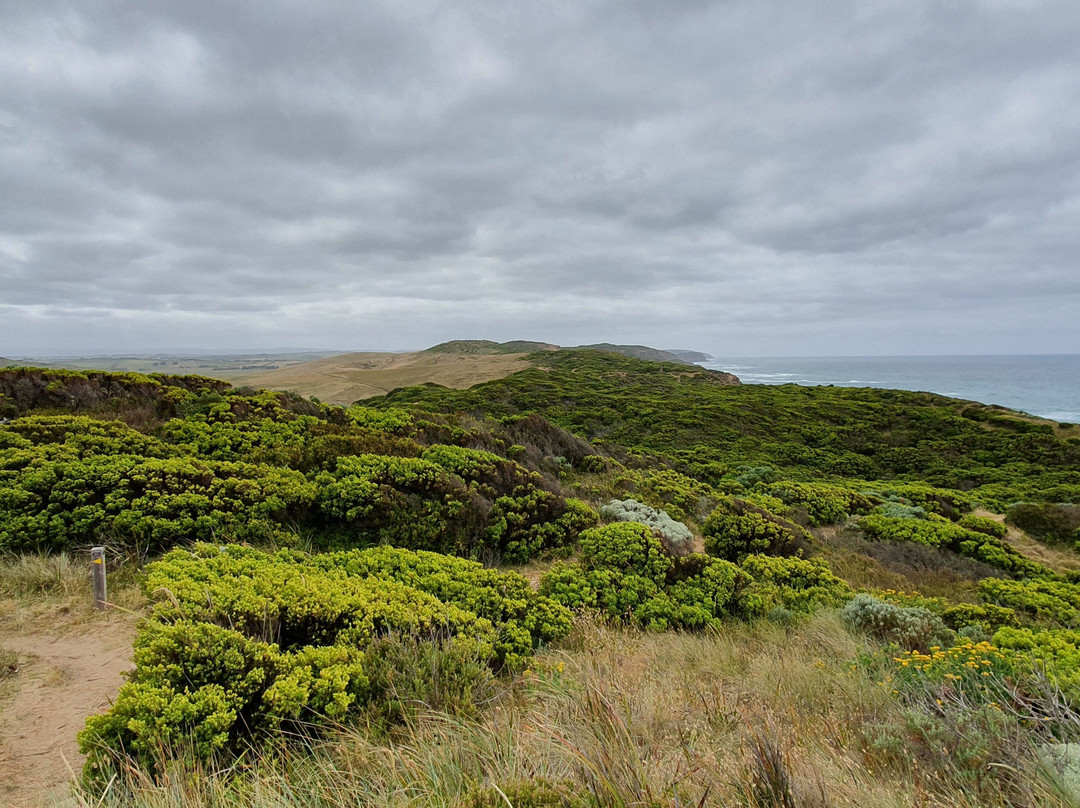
(911, 627)
(676, 536)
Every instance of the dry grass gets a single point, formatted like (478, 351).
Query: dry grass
(902, 565)
(346, 378)
(750, 716)
(40, 591)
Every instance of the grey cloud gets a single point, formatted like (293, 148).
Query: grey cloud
(751, 177)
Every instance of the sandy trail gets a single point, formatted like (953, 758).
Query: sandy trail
(64, 677)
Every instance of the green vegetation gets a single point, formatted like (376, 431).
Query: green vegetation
(678, 538)
(244, 644)
(713, 430)
(738, 527)
(937, 531)
(329, 585)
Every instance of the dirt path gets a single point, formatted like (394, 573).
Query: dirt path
(64, 677)
(1057, 558)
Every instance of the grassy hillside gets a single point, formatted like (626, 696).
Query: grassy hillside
(457, 364)
(350, 377)
(595, 582)
(484, 346)
(713, 429)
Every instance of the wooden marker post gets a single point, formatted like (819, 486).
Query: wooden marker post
(97, 575)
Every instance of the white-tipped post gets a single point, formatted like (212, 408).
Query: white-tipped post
(97, 575)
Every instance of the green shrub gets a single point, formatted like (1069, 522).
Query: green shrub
(738, 528)
(533, 522)
(523, 619)
(492, 475)
(424, 503)
(942, 501)
(625, 547)
(147, 503)
(675, 535)
(825, 504)
(1055, 603)
(626, 574)
(1053, 651)
(987, 617)
(797, 584)
(244, 645)
(76, 437)
(351, 597)
(590, 464)
(936, 531)
(202, 690)
(983, 524)
(387, 419)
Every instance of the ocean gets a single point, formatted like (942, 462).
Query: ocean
(1047, 386)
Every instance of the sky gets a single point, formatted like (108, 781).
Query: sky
(743, 177)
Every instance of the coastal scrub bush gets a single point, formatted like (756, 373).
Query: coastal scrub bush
(148, 503)
(909, 627)
(983, 524)
(393, 420)
(243, 644)
(288, 597)
(504, 598)
(738, 528)
(533, 522)
(495, 511)
(898, 510)
(682, 497)
(987, 617)
(626, 574)
(204, 690)
(490, 474)
(825, 504)
(796, 584)
(942, 501)
(305, 443)
(1054, 603)
(626, 547)
(1055, 652)
(936, 531)
(675, 535)
(75, 437)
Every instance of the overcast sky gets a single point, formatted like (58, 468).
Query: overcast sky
(744, 177)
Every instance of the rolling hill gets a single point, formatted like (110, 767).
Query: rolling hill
(457, 364)
(350, 377)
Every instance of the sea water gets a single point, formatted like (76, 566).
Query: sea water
(1047, 386)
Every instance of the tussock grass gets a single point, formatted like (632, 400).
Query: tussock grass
(38, 590)
(751, 715)
(26, 576)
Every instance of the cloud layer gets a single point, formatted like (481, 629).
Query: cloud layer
(738, 176)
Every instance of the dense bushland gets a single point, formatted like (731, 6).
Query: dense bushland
(657, 497)
(247, 468)
(244, 644)
(712, 428)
